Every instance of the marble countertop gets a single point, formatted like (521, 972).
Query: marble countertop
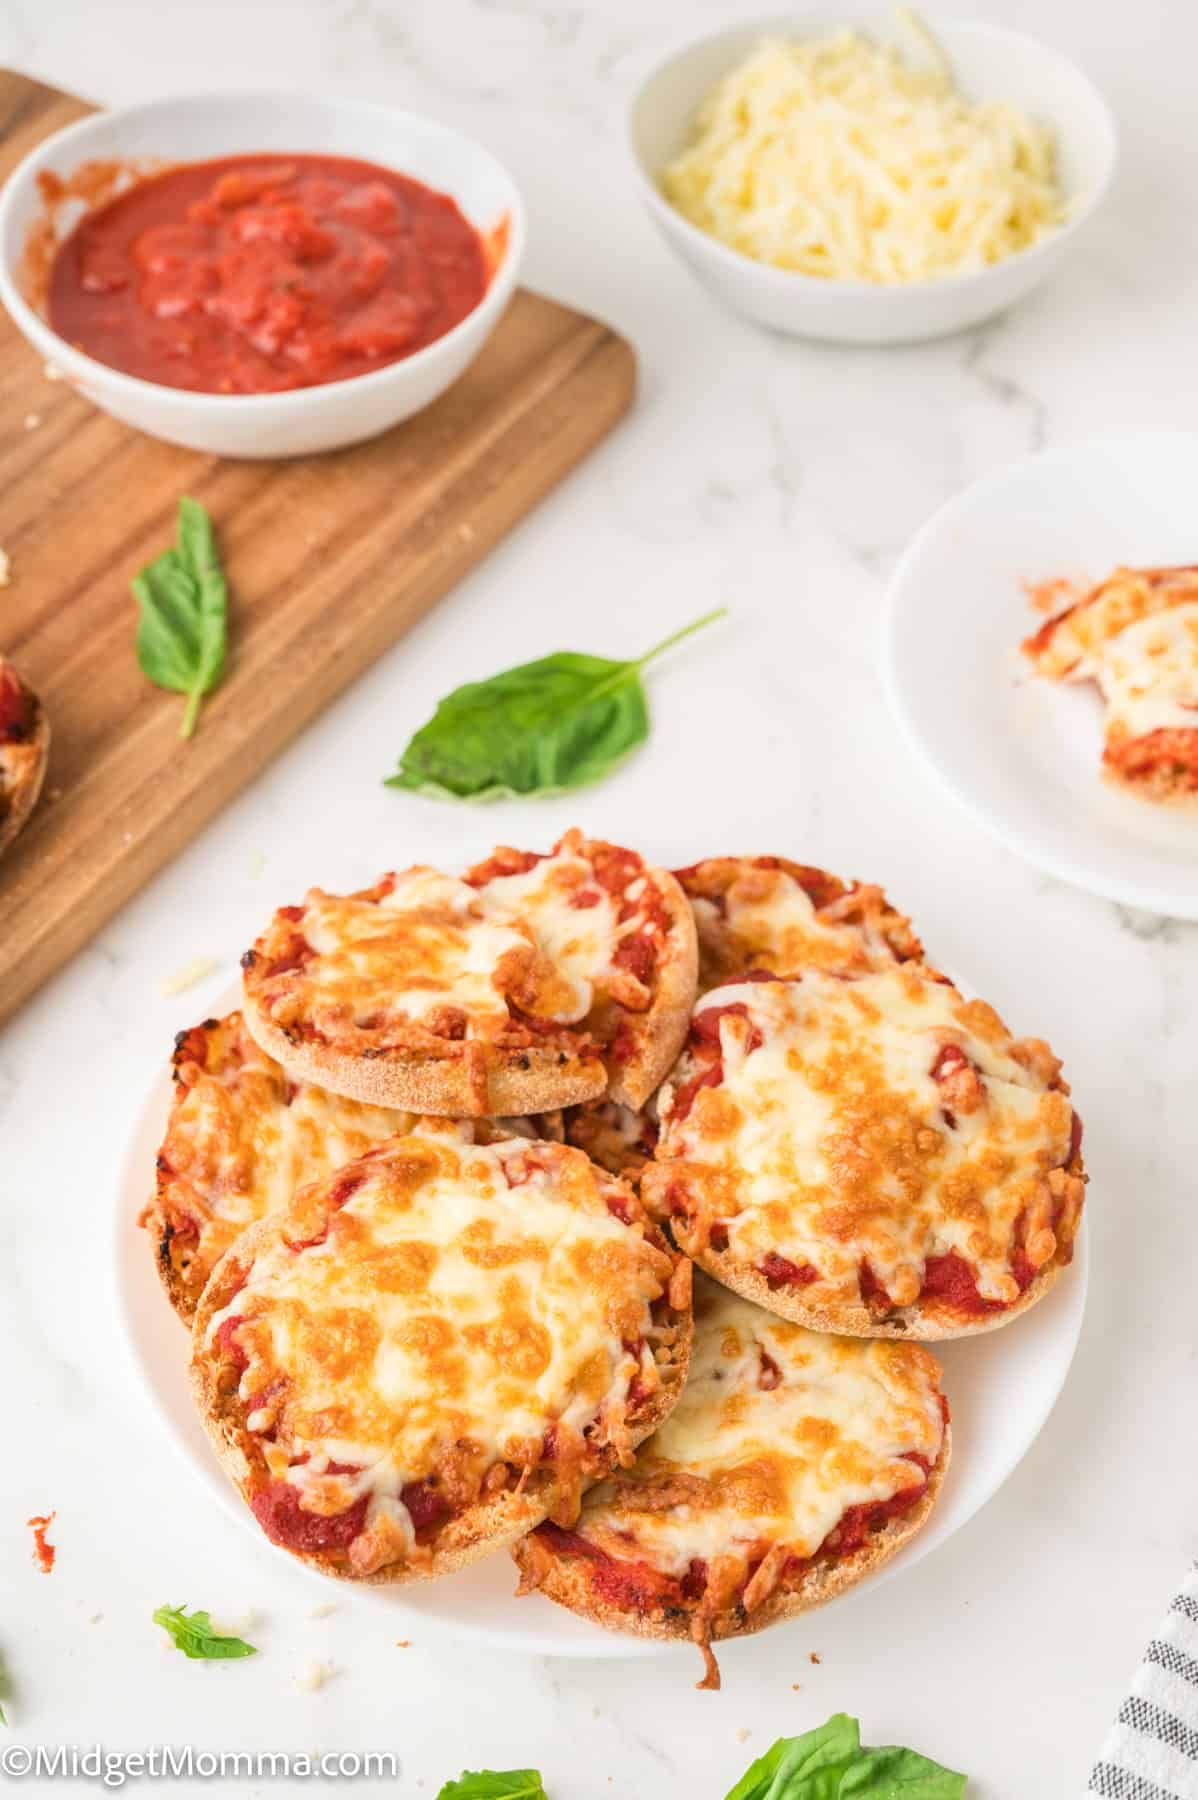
(781, 479)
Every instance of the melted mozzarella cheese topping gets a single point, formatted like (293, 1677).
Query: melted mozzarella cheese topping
(581, 941)
(428, 943)
(1073, 646)
(838, 158)
(768, 921)
(463, 1300)
(547, 936)
(19, 758)
(780, 1463)
(830, 1142)
(242, 1138)
(1148, 674)
(15, 762)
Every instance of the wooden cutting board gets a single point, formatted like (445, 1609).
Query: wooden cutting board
(330, 559)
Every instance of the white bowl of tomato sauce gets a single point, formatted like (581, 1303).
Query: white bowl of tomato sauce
(259, 275)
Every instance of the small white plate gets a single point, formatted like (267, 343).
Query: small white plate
(1021, 754)
(1001, 1388)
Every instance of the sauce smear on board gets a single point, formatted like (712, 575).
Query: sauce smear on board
(254, 274)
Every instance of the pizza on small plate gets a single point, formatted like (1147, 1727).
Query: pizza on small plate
(429, 1352)
(794, 1465)
(765, 913)
(1136, 637)
(873, 1154)
(24, 752)
(533, 982)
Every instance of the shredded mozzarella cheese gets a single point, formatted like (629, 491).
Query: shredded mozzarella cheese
(836, 157)
(189, 976)
(313, 1676)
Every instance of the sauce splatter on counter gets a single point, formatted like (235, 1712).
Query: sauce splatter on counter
(43, 1552)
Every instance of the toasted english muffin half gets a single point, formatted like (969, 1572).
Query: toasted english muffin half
(766, 914)
(794, 1465)
(24, 752)
(532, 983)
(431, 1351)
(873, 1155)
(241, 1137)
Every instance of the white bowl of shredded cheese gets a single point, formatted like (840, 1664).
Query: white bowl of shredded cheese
(853, 176)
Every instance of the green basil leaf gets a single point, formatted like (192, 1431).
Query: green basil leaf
(183, 630)
(894, 1774)
(193, 1634)
(829, 1764)
(809, 1767)
(541, 728)
(487, 1784)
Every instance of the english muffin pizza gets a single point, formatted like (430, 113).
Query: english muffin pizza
(24, 751)
(241, 1137)
(763, 913)
(1136, 637)
(794, 1464)
(532, 982)
(431, 1351)
(872, 1154)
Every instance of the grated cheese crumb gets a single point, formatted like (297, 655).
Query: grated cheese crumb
(52, 372)
(5, 569)
(189, 976)
(838, 157)
(237, 1624)
(32, 421)
(743, 1734)
(314, 1675)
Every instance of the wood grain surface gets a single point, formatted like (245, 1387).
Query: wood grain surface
(329, 559)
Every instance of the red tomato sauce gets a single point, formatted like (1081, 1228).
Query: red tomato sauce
(254, 274)
(427, 1507)
(780, 1271)
(1168, 751)
(950, 1279)
(630, 1583)
(858, 1522)
(16, 709)
(277, 1509)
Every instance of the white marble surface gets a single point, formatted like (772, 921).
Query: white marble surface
(781, 479)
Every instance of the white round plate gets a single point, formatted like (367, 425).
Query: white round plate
(1001, 1388)
(1020, 754)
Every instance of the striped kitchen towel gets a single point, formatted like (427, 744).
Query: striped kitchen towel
(1151, 1751)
